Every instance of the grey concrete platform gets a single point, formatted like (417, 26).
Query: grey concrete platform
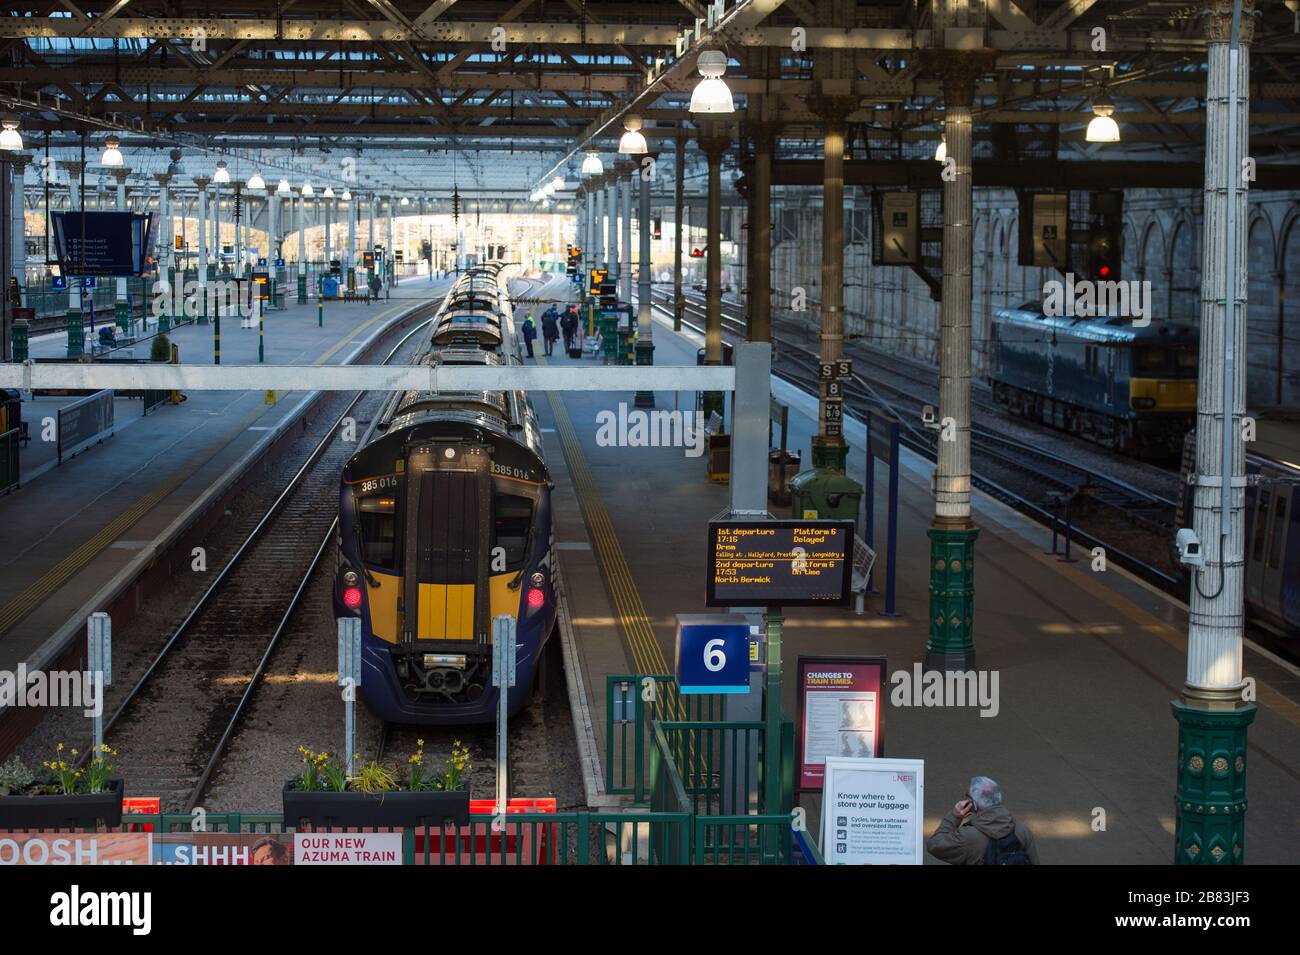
(1088, 662)
(78, 530)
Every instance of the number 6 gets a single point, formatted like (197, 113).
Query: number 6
(714, 658)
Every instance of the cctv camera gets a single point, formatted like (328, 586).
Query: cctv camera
(1189, 548)
(928, 417)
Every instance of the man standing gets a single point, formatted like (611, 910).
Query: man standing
(569, 326)
(550, 329)
(981, 831)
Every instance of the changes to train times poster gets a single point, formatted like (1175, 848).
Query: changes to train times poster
(840, 713)
(780, 563)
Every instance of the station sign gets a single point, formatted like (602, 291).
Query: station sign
(261, 263)
(793, 563)
(1051, 223)
(840, 712)
(833, 415)
(713, 653)
(178, 243)
(838, 370)
(898, 219)
(262, 282)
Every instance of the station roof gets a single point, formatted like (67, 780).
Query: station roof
(496, 97)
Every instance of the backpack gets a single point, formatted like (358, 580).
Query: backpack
(1006, 851)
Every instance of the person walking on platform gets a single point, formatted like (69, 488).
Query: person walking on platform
(981, 831)
(530, 333)
(569, 326)
(550, 329)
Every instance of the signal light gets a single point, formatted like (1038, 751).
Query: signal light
(352, 598)
(1103, 271)
(697, 254)
(536, 597)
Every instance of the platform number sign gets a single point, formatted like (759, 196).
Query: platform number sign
(712, 653)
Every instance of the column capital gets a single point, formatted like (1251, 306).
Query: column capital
(18, 161)
(163, 178)
(958, 70)
(202, 182)
(832, 104)
(714, 143)
(74, 167)
(1218, 21)
(120, 173)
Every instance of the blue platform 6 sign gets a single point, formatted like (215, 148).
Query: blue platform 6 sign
(712, 653)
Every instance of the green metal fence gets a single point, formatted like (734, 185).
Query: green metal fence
(627, 720)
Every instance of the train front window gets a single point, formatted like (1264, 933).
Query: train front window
(513, 517)
(1279, 532)
(1261, 526)
(1185, 360)
(378, 520)
(1152, 361)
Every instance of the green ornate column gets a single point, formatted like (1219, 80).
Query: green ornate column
(952, 597)
(1210, 814)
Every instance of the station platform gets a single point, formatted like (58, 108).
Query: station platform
(1088, 662)
(80, 532)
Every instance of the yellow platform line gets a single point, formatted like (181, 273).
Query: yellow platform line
(647, 655)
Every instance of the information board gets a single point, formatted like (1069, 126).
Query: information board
(102, 243)
(779, 563)
(841, 713)
(873, 812)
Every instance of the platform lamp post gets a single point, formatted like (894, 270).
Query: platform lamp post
(121, 306)
(165, 295)
(714, 143)
(201, 187)
(645, 344)
(1214, 712)
(75, 323)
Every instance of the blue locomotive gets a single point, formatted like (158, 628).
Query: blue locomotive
(445, 523)
(1127, 388)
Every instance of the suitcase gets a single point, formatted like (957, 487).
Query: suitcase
(575, 352)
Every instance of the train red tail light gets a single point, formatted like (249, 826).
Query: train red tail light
(352, 597)
(536, 597)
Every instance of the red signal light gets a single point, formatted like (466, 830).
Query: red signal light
(536, 597)
(352, 597)
(1104, 271)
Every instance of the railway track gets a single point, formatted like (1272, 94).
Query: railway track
(175, 723)
(1032, 480)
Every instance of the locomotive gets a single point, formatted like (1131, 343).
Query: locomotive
(445, 524)
(1128, 388)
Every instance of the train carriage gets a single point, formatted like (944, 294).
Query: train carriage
(445, 523)
(1128, 388)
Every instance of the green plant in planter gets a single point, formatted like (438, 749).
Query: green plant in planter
(15, 777)
(64, 778)
(321, 773)
(99, 770)
(373, 777)
(416, 780)
(457, 763)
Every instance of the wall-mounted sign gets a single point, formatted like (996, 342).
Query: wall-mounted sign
(779, 563)
(840, 711)
(873, 812)
(101, 243)
(899, 221)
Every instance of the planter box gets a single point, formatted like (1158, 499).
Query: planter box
(83, 811)
(398, 810)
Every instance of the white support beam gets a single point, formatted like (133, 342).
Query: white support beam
(31, 375)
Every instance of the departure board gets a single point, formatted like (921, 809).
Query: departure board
(779, 563)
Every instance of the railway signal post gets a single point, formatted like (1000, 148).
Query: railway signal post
(1213, 715)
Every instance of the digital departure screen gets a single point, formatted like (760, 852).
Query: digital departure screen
(779, 563)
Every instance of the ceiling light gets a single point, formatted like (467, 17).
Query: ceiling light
(592, 166)
(712, 95)
(329, 192)
(347, 195)
(221, 176)
(255, 181)
(1102, 128)
(557, 184)
(307, 190)
(112, 155)
(10, 138)
(283, 189)
(406, 200)
(941, 151)
(633, 142)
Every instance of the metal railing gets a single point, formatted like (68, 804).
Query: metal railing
(627, 720)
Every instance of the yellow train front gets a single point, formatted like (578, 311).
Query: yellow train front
(444, 524)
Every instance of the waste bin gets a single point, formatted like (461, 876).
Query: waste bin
(781, 467)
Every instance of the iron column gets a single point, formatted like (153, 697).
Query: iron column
(120, 308)
(714, 143)
(1213, 713)
(625, 251)
(679, 302)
